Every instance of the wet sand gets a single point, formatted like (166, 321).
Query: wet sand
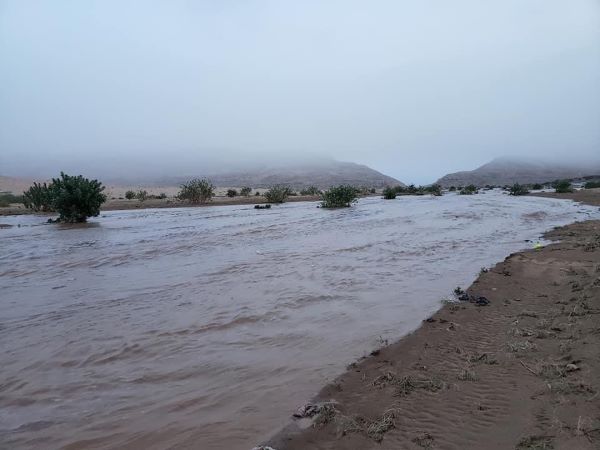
(521, 372)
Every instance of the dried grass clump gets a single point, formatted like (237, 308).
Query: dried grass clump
(467, 375)
(519, 347)
(326, 414)
(536, 443)
(406, 384)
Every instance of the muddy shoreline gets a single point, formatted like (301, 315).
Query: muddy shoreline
(118, 204)
(520, 372)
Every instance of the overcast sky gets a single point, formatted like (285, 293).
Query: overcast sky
(415, 89)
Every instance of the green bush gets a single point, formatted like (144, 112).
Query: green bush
(563, 186)
(277, 194)
(162, 195)
(231, 193)
(142, 195)
(434, 189)
(592, 185)
(518, 189)
(341, 196)
(257, 194)
(197, 191)
(311, 190)
(6, 198)
(452, 188)
(245, 191)
(389, 193)
(76, 198)
(537, 187)
(129, 195)
(468, 190)
(38, 197)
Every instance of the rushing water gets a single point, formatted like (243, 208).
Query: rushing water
(205, 327)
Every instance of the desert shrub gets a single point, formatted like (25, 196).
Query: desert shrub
(38, 197)
(339, 196)
(277, 193)
(537, 187)
(231, 193)
(592, 185)
(141, 195)
(411, 189)
(563, 186)
(76, 198)
(434, 189)
(245, 191)
(311, 190)
(162, 195)
(518, 189)
(452, 188)
(129, 195)
(468, 190)
(6, 198)
(389, 193)
(197, 191)
(256, 194)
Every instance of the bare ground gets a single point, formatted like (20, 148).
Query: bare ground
(522, 372)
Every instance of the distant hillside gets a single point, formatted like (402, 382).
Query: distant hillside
(322, 174)
(502, 171)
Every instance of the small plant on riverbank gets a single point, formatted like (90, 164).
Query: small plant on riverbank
(38, 198)
(563, 186)
(341, 196)
(592, 185)
(468, 190)
(129, 195)
(142, 195)
(197, 191)
(537, 187)
(76, 198)
(245, 191)
(277, 194)
(389, 193)
(7, 198)
(311, 190)
(231, 193)
(518, 189)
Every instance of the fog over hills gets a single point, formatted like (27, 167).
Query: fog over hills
(507, 170)
(322, 173)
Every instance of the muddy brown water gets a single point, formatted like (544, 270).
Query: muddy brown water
(205, 328)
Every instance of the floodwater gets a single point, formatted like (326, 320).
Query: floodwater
(206, 327)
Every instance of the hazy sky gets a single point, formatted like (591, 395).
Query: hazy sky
(412, 88)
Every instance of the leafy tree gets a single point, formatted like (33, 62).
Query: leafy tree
(231, 193)
(452, 188)
(592, 185)
(129, 195)
(563, 186)
(76, 198)
(518, 189)
(537, 186)
(162, 195)
(389, 193)
(245, 191)
(38, 197)
(142, 195)
(197, 191)
(277, 194)
(341, 196)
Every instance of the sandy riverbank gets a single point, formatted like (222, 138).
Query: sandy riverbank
(122, 204)
(520, 372)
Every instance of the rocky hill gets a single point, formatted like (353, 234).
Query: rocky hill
(503, 171)
(322, 174)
